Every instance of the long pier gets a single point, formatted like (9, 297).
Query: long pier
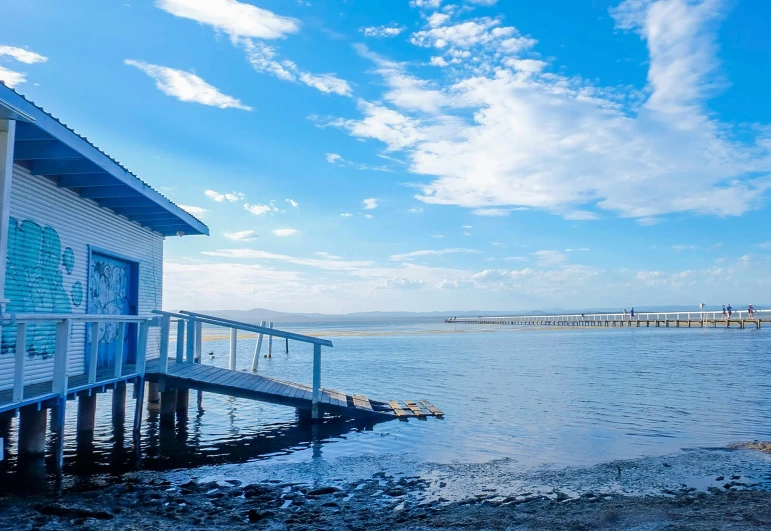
(740, 319)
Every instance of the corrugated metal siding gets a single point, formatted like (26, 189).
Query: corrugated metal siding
(79, 224)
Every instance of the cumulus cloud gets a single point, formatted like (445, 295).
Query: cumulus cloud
(346, 215)
(382, 31)
(563, 144)
(292, 203)
(231, 197)
(12, 78)
(286, 232)
(187, 87)
(260, 210)
(400, 283)
(242, 236)
(370, 204)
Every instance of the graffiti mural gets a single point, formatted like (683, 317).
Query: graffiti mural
(111, 291)
(36, 267)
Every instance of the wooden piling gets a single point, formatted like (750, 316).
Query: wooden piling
(183, 401)
(154, 396)
(119, 403)
(32, 431)
(168, 406)
(86, 412)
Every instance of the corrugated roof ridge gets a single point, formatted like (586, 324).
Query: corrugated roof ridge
(90, 143)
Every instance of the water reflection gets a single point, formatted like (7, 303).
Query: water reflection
(98, 456)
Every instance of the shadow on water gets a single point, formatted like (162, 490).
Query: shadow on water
(91, 460)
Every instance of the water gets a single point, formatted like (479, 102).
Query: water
(535, 397)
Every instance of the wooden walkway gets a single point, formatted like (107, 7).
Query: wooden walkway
(252, 386)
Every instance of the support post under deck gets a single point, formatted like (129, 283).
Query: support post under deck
(316, 382)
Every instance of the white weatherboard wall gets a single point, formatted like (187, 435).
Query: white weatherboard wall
(81, 223)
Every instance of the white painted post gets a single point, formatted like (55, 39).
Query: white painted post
(233, 345)
(180, 341)
(165, 331)
(198, 340)
(191, 340)
(144, 327)
(256, 358)
(316, 381)
(61, 353)
(7, 139)
(270, 341)
(18, 369)
(93, 352)
(119, 349)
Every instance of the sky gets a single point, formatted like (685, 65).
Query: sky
(421, 155)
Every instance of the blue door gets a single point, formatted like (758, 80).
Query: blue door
(112, 290)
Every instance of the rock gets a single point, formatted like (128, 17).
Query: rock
(322, 491)
(255, 516)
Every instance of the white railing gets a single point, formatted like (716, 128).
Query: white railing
(610, 317)
(190, 337)
(64, 322)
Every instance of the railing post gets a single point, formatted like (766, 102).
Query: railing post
(18, 369)
(233, 345)
(270, 341)
(198, 340)
(256, 358)
(316, 381)
(119, 350)
(142, 348)
(61, 353)
(191, 340)
(180, 340)
(93, 353)
(165, 332)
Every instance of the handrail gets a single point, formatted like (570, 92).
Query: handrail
(63, 322)
(255, 328)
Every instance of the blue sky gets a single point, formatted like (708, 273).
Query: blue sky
(428, 154)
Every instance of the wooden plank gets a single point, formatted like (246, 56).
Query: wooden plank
(361, 402)
(397, 407)
(263, 386)
(435, 411)
(415, 408)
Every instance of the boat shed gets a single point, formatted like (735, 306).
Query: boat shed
(79, 234)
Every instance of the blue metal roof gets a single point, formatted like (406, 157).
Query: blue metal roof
(49, 148)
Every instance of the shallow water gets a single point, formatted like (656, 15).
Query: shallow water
(534, 397)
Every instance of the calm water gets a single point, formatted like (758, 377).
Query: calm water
(536, 397)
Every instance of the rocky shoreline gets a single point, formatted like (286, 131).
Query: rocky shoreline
(380, 502)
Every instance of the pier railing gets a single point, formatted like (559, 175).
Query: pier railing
(610, 317)
(59, 372)
(189, 330)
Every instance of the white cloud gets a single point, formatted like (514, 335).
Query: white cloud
(338, 160)
(415, 210)
(292, 203)
(400, 283)
(346, 215)
(567, 145)
(260, 210)
(12, 78)
(491, 212)
(382, 31)
(242, 236)
(467, 227)
(231, 197)
(286, 232)
(550, 257)
(582, 249)
(368, 216)
(187, 87)
(327, 264)
(433, 252)
(263, 58)
(426, 4)
(370, 204)
(234, 18)
(22, 55)
(333, 158)
(194, 210)
(327, 256)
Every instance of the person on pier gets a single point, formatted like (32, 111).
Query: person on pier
(751, 311)
(624, 314)
(724, 312)
(730, 310)
(632, 314)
